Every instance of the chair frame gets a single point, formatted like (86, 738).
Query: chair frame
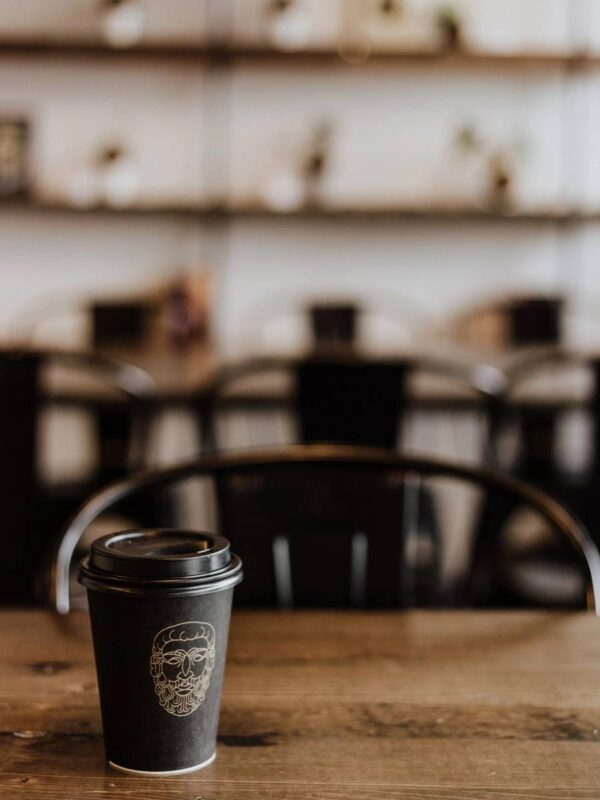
(530, 359)
(487, 381)
(132, 383)
(556, 514)
(25, 395)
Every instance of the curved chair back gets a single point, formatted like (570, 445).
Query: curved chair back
(352, 399)
(270, 500)
(121, 428)
(537, 407)
(539, 411)
(510, 322)
(519, 366)
(127, 378)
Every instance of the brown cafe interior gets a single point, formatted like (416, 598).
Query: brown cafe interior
(318, 277)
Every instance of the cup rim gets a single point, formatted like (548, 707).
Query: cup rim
(226, 578)
(153, 569)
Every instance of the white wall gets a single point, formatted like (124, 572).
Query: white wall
(496, 25)
(61, 20)
(51, 267)
(394, 131)
(392, 144)
(76, 108)
(416, 273)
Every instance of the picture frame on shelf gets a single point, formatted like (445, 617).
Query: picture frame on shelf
(15, 136)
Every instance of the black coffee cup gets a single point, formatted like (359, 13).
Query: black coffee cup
(160, 603)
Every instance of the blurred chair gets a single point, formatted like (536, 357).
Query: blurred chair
(547, 386)
(323, 525)
(115, 324)
(535, 321)
(372, 320)
(104, 326)
(334, 324)
(344, 398)
(120, 323)
(63, 321)
(347, 399)
(33, 511)
(524, 327)
(509, 324)
(350, 400)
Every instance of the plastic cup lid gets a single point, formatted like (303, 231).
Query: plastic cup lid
(160, 554)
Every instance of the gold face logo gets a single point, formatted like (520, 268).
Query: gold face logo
(182, 661)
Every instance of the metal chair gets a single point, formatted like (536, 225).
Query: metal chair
(322, 525)
(339, 321)
(536, 418)
(509, 323)
(348, 398)
(334, 324)
(32, 511)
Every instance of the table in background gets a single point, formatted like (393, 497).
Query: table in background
(444, 705)
(183, 373)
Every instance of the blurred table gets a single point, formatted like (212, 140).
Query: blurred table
(176, 371)
(184, 374)
(469, 705)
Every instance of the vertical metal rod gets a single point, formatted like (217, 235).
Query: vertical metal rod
(410, 525)
(283, 572)
(358, 569)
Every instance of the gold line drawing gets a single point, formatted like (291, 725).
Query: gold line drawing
(181, 663)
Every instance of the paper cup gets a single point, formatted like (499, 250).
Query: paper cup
(160, 604)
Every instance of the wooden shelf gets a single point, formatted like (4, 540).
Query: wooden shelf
(98, 50)
(35, 206)
(416, 214)
(384, 214)
(226, 55)
(446, 58)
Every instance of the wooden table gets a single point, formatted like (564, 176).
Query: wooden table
(331, 706)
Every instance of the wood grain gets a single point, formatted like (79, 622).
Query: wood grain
(437, 705)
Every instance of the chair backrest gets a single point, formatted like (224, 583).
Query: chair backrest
(535, 320)
(314, 533)
(543, 404)
(544, 382)
(132, 381)
(334, 324)
(314, 512)
(117, 323)
(352, 399)
(22, 396)
(507, 323)
(377, 317)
